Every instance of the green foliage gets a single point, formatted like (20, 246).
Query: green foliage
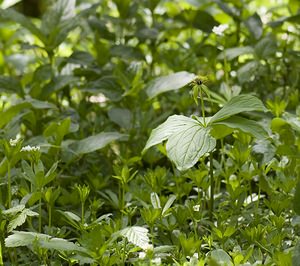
(96, 96)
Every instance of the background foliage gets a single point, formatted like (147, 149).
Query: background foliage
(83, 83)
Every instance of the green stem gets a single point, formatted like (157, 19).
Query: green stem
(82, 212)
(50, 216)
(40, 213)
(212, 184)
(9, 184)
(202, 107)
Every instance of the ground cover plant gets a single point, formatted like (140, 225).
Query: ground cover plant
(150, 132)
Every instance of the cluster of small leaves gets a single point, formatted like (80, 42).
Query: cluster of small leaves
(105, 159)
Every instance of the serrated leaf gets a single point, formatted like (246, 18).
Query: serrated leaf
(20, 238)
(238, 104)
(20, 219)
(137, 235)
(248, 126)
(14, 210)
(155, 200)
(95, 142)
(173, 124)
(168, 83)
(186, 146)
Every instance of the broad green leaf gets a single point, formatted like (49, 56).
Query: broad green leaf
(296, 253)
(121, 116)
(137, 235)
(57, 22)
(168, 83)
(10, 85)
(232, 53)
(238, 104)
(10, 14)
(254, 25)
(168, 204)
(264, 150)
(173, 124)
(266, 47)
(11, 112)
(127, 52)
(247, 71)
(203, 20)
(57, 84)
(155, 200)
(186, 146)
(248, 126)
(221, 257)
(96, 142)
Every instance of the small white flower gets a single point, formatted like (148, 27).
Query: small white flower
(156, 261)
(13, 142)
(196, 208)
(31, 148)
(219, 30)
(142, 255)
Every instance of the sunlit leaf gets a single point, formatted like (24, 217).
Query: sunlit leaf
(137, 235)
(238, 104)
(186, 146)
(246, 125)
(173, 124)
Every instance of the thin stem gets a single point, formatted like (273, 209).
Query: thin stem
(9, 184)
(50, 216)
(82, 212)
(202, 107)
(40, 213)
(212, 184)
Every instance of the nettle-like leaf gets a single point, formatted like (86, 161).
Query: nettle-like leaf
(189, 139)
(20, 239)
(137, 235)
(171, 82)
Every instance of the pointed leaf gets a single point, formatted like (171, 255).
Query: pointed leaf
(155, 200)
(234, 52)
(168, 204)
(186, 146)
(238, 104)
(96, 142)
(248, 126)
(10, 14)
(167, 83)
(254, 25)
(173, 124)
(137, 235)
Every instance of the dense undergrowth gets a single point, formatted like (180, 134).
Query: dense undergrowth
(150, 133)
